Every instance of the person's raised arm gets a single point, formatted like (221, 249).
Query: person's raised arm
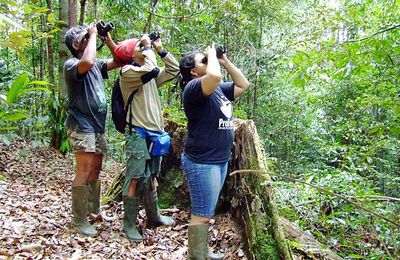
(210, 81)
(88, 57)
(115, 61)
(239, 79)
(171, 69)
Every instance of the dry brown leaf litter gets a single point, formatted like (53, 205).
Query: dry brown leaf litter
(35, 212)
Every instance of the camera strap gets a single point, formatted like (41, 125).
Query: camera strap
(102, 44)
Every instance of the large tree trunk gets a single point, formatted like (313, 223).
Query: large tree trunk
(252, 197)
(249, 196)
(67, 16)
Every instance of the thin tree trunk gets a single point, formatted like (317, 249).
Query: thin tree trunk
(33, 53)
(95, 10)
(73, 13)
(42, 49)
(57, 110)
(152, 6)
(83, 8)
(50, 48)
(62, 48)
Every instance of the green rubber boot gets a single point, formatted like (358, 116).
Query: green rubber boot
(197, 242)
(129, 224)
(154, 218)
(79, 211)
(94, 197)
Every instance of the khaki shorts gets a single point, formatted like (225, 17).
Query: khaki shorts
(87, 142)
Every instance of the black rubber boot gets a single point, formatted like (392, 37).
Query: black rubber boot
(129, 224)
(79, 211)
(154, 218)
(94, 197)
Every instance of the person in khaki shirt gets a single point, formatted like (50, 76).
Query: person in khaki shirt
(143, 75)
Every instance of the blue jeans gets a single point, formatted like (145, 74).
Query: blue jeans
(205, 182)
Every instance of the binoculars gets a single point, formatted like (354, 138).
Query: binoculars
(153, 36)
(221, 49)
(103, 28)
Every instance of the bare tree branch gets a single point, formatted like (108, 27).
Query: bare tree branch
(372, 35)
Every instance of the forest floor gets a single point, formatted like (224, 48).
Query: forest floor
(35, 214)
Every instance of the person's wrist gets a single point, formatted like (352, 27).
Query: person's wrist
(162, 53)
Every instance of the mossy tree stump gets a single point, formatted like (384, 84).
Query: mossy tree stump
(252, 197)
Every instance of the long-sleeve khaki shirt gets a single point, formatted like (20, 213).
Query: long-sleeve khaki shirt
(146, 104)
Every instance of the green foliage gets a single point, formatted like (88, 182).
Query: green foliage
(169, 194)
(9, 113)
(55, 123)
(328, 111)
(176, 114)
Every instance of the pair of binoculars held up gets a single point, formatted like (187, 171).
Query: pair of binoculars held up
(103, 28)
(220, 49)
(153, 36)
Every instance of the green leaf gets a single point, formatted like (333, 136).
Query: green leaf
(7, 128)
(50, 17)
(19, 40)
(14, 116)
(356, 256)
(41, 10)
(39, 82)
(16, 88)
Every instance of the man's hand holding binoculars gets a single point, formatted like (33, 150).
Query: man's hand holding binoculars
(145, 41)
(92, 30)
(157, 45)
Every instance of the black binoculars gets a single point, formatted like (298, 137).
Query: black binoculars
(103, 28)
(221, 49)
(153, 36)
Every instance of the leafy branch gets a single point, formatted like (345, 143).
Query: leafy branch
(181, 17)
(324, 190)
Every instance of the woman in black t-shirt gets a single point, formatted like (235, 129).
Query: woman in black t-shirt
(208, 107)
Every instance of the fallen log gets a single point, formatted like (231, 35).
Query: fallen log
(305, 244)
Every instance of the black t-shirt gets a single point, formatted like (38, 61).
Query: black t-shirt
(210, 122)
(87, 104)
